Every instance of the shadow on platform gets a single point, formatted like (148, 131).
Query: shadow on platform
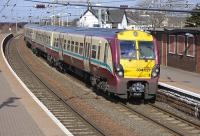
(9, 102)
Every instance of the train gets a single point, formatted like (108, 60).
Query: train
(120, 62)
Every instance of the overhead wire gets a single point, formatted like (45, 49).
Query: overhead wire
(116, 7)
(4, 6)
(115, 1)
(21, 8)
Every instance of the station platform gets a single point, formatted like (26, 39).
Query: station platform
(20, 115)
(185, 80)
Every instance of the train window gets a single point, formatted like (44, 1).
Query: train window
(81, 49)
(85, 50)
(54, 42)
(94, 47)
(76, 47)
(72, 46)
(49, 40)
(128, 49)
(40, 37)
(106, 53)
(94, 51)
(99, 48)
(68, 45)
(57, 42)
(146, 50)
(88, 50)
(65, 44)
(44, 38)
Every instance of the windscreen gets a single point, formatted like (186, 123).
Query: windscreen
(146, 50)
(128, 49)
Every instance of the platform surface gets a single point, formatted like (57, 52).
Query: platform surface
(186, 80)
(20, 115)
(14, 119)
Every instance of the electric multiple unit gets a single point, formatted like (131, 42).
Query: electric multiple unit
(122, 62)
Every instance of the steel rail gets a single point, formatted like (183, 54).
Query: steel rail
(175, 115)
(148, 118)
(160, 123)
(7, 52)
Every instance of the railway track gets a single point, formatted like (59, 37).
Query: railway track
(171, 122)
(188, 104)
(174, 123)
(70, 118)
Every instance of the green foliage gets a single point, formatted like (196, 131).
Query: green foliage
(194, 19)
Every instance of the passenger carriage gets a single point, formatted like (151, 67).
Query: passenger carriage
(124, 62)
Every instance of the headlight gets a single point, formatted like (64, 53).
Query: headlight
(120, 73)
(119, 70)
(155, 71)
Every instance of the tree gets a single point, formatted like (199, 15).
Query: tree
(156, 19)
(194, 19)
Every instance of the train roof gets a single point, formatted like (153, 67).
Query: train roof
(102, 32)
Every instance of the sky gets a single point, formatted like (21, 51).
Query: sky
(21, 10)
(15, 10)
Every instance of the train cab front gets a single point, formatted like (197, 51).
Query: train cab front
(138, 70)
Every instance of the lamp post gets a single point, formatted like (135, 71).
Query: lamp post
(61, 20)
(16, 23)
(68, 14)
(52, 19)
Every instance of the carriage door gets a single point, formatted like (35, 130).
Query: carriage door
(87, 51)
(60, 45)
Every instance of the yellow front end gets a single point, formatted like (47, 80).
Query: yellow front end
(137, 68)
(137, 62)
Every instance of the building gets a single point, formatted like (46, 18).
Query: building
(103, 18)
(117, 19)
(88, 19)
(179, 48)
